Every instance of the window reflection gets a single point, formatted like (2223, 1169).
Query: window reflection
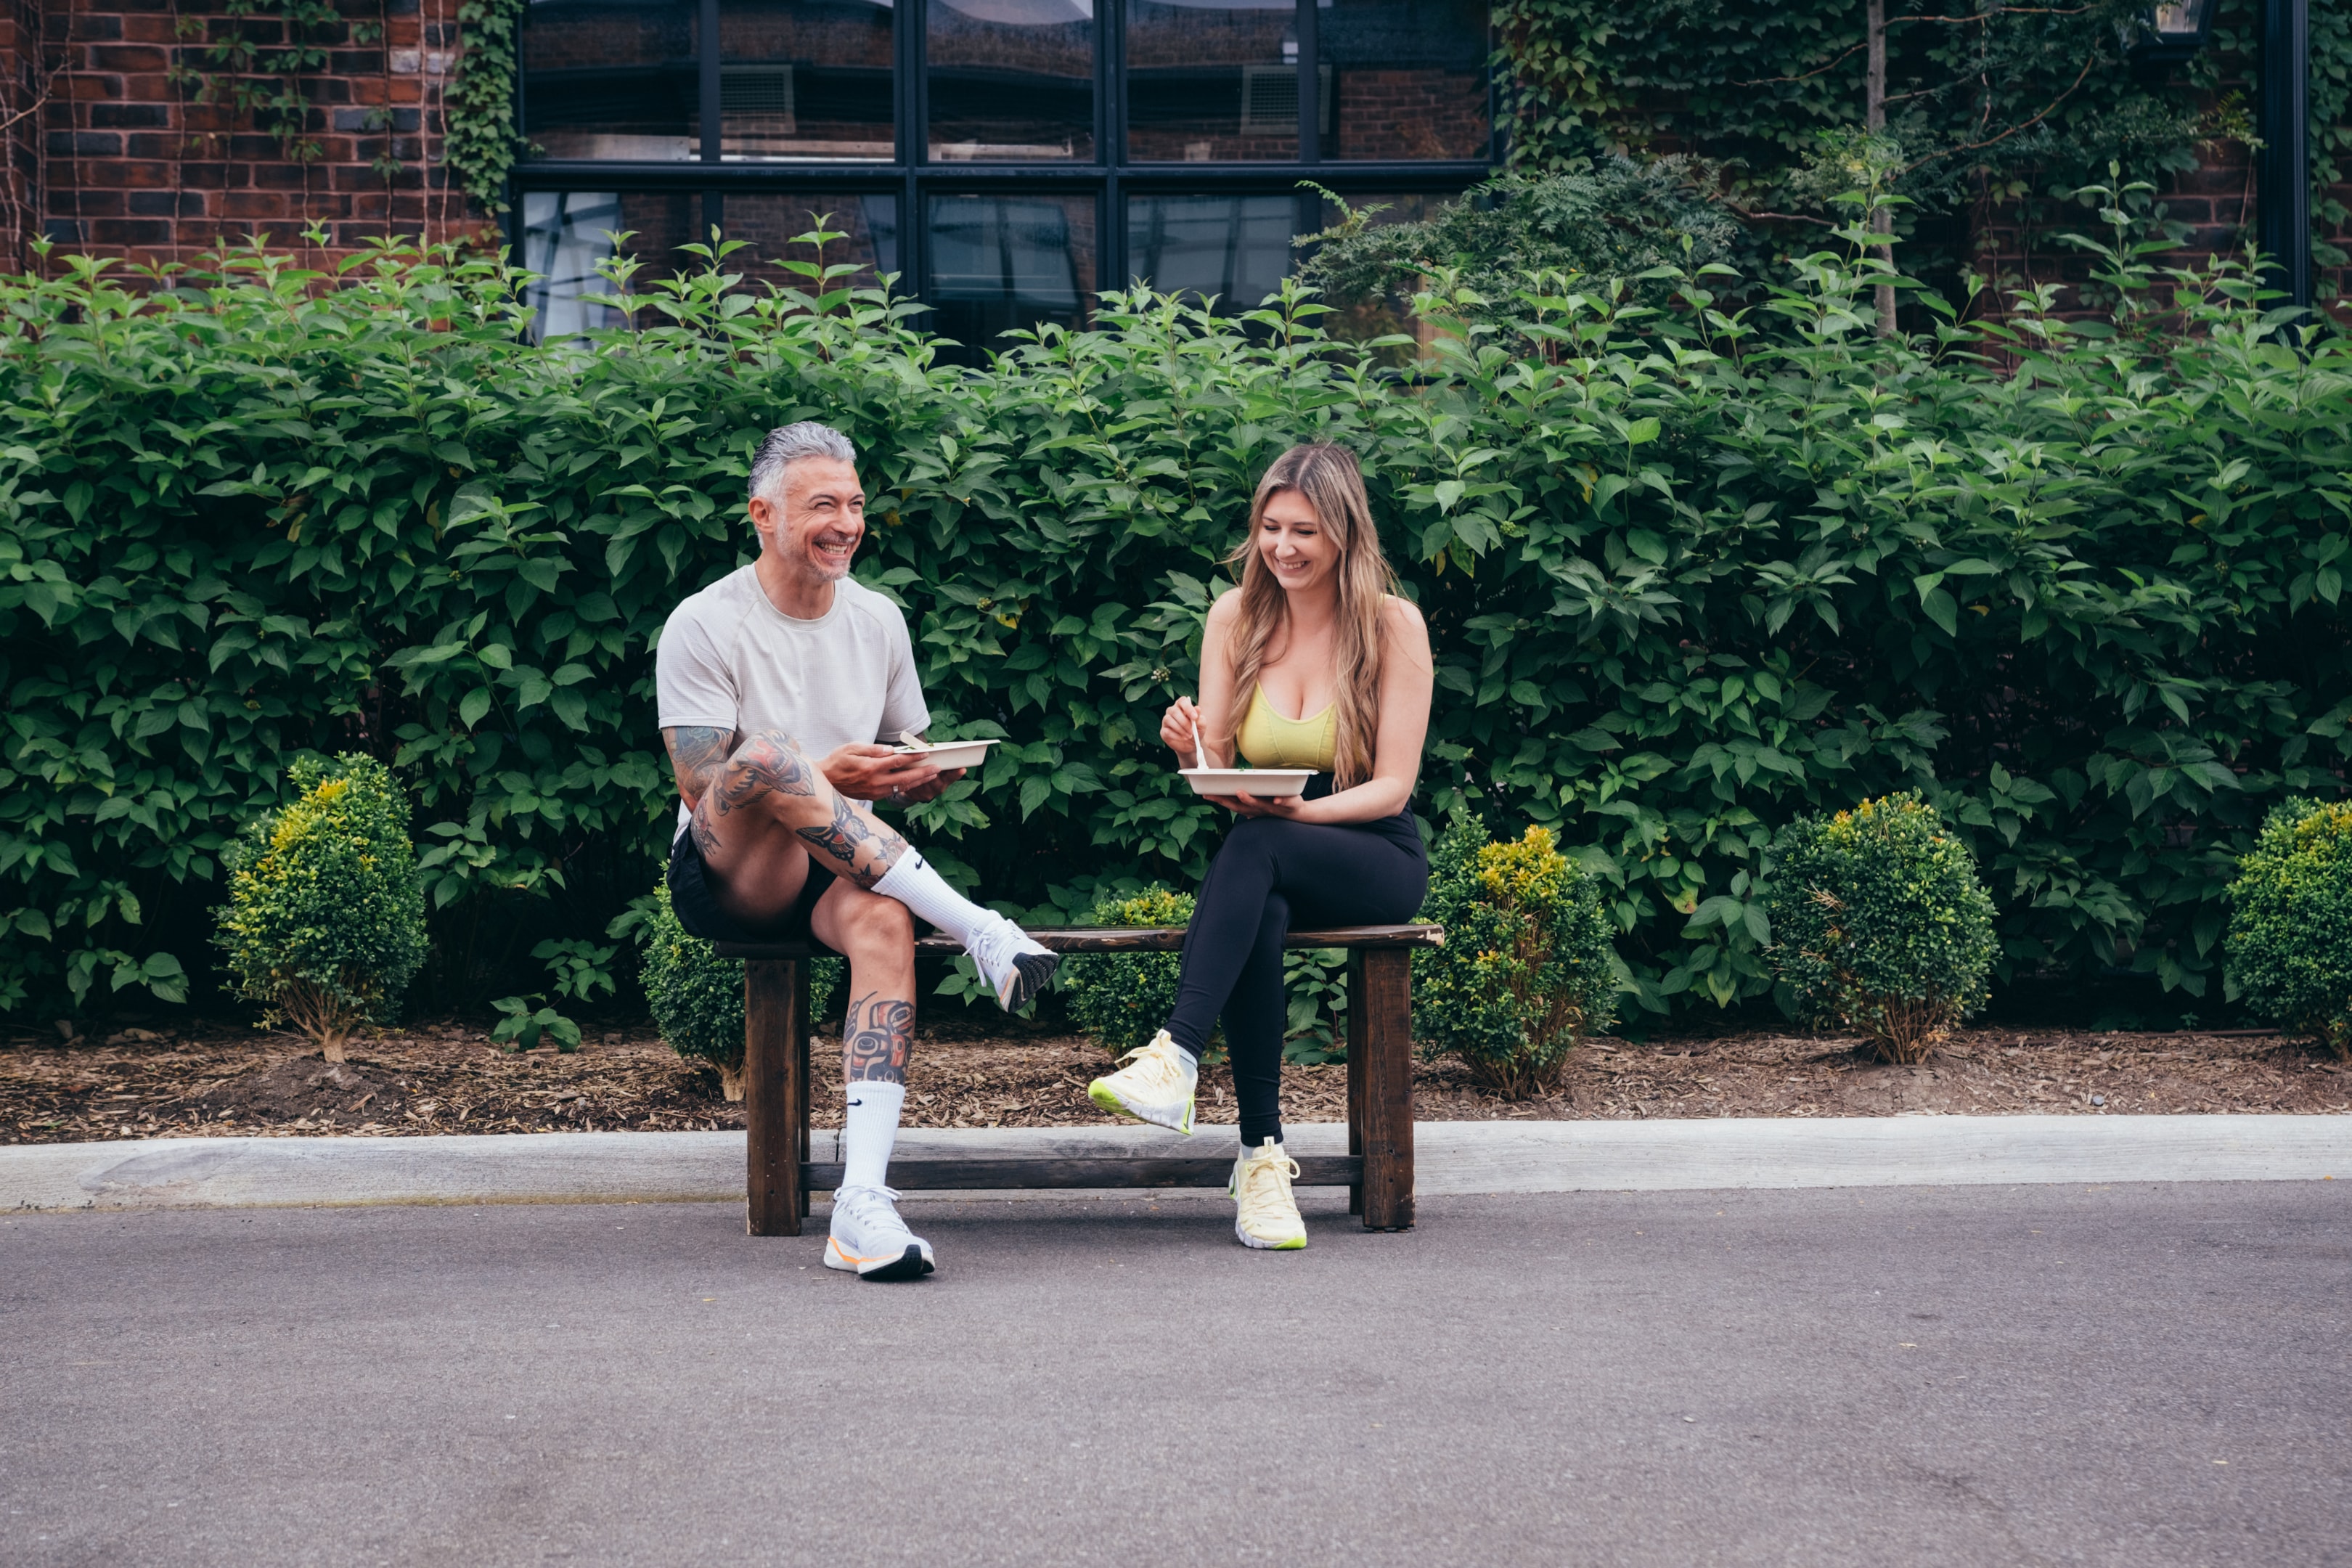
(805, 81)
(1234, 248)
(1361, 320)
(605, 80)
(1409, 78)
(1012, 80)
(774, 225)
(566, 234)
(1213, 80)
(1000, 263)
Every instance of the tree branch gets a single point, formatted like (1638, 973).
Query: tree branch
(2048, 110)
(1769, 81)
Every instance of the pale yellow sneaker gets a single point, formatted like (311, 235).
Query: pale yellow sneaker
(1266, 1215)
(1155, 1085)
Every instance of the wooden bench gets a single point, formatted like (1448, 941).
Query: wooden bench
(1377, 1170)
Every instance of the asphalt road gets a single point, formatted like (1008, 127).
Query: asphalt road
(2131, 1375)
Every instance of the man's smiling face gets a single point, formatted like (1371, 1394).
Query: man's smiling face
(822, 517)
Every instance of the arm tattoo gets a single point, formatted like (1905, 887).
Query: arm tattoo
(874, 1039)
(694, 755)
(764, 764)
(846, 836)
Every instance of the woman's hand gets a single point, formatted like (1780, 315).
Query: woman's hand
(1179, 728)
(1286, 806)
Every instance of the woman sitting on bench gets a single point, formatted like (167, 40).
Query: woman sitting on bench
(1315, 630)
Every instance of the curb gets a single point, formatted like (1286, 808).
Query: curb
(1454, 1157)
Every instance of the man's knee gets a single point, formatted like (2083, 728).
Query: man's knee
(877, 927)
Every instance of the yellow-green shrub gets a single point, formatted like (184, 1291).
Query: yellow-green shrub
(1526, 969)
(2290, 943)
(1122, 999)
(325, 921)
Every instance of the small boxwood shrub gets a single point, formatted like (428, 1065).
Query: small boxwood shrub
(1526, 969)
(697, 997)
(1880, 924)
(325, 921)
(2290, 945)
(1122, 999)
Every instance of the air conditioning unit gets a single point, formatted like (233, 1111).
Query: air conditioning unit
(1270, 98)
(756, 101)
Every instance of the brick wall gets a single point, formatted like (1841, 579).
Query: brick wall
(2219, 200)
(134, 165)
(23, 86)
(104, 152)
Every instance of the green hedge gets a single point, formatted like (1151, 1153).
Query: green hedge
(1684, 584)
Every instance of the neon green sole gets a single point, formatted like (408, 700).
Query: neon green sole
(1298, 1246)
(1107, 1098)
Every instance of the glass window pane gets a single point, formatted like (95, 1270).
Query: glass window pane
(867, 224)
(565, 234)
(805, 80)
(999, 263)
(1408, 78)
(1235, 247)
(1012, 80)
(1211, 81)
(603, 80)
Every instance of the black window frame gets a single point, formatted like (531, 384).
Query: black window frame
(913, 178)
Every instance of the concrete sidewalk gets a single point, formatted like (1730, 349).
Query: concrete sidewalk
(1453, 1157)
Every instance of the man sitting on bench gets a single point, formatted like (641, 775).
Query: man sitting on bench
(776, 684)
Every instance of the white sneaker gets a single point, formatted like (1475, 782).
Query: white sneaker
(1155, 1086)
(1267, 1216)
(1016, 969)
(869, 1238)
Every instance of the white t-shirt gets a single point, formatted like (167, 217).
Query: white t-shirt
(731, 661)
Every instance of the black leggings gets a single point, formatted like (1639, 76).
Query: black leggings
(1270, 876)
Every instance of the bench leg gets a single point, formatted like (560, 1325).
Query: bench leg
(775, 1093)
(1359, 1059)
(1380, 1085)
(802, 1026)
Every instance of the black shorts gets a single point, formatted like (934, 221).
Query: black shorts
(690, 897)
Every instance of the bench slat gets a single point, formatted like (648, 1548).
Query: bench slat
(1125, 939)
(947, 1176)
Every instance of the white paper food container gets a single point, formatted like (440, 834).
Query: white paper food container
(1259, 782)
(948, 755)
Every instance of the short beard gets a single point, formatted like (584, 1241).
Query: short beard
(819, 563)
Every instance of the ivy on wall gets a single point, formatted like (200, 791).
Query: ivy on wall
(481, 139)
(2331, 122)
(1987, 105)
(259, 56)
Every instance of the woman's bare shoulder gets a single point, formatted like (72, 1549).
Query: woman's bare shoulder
(1226, 609)
(1399, 614)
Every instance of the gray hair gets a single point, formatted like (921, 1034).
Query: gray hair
(788, 445)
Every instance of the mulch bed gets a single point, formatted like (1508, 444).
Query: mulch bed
(218, 1081)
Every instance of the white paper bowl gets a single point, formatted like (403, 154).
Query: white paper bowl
(949, 755)
(1259, 782)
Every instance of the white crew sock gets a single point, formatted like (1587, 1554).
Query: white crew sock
(867, 1131)
(923, 890)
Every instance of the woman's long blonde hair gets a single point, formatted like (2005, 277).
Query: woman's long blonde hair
(1328, 477)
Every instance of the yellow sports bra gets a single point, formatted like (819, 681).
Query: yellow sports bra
(1270, 741)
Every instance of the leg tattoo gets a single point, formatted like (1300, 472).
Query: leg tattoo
(866, 847)
(875, 1038)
